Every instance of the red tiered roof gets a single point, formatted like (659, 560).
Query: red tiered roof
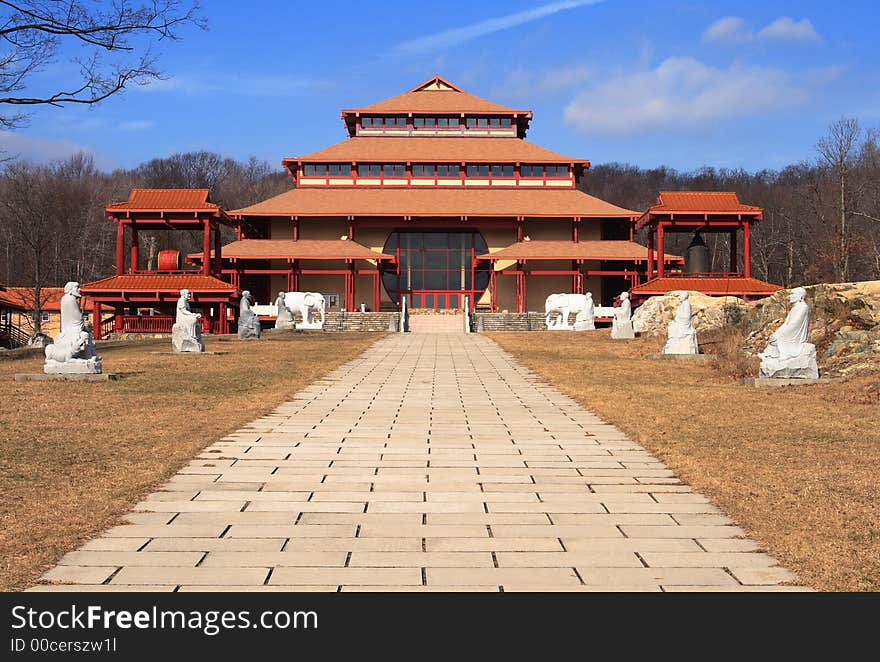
(712, 285)
(574, 250)
(302, 249)
(432, 150)
(435, 202)
(436, 95)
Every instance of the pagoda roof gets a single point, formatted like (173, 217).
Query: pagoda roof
(184, 207)
(712, 285)
(158, 283)
(698, 203)
(436, 149)
(575, 250)
(303, 249)
(436, 202)
(436, 95)
(166, 199)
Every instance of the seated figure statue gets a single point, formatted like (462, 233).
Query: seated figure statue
(248, 322)
(788, 354)
(73, 350)
(283, 316)
(186, 334)
(585, 320)
(681, 334)
(621, 323)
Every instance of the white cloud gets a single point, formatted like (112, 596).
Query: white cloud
(136, 125)
(455, 36)
(733, 29)
(38, 150)
(681, 94)
(234, 84)
(788, 29)
(523, 83)
(728, 28)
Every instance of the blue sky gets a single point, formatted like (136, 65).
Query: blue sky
(681, 83)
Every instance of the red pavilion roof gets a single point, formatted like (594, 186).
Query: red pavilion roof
(166, 199)
(720, 285)
(158, 283)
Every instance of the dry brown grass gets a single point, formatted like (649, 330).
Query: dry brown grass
(76, 456)
(795, 467)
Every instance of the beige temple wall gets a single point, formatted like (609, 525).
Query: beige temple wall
(538, 287)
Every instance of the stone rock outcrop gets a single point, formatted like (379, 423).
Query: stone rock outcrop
(844, 325)
(709, 313)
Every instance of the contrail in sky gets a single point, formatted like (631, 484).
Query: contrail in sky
(460, 35)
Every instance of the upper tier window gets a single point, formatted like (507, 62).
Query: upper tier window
(381, 169)
(435, 122)
(387, 122)
(323, 169)
(539, 170)
(432, 170)
(488, 122)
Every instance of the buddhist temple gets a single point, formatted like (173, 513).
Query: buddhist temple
(435, 196)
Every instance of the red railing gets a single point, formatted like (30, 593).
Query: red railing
(145, 324)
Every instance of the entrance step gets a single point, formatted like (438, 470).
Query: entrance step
(436, 323)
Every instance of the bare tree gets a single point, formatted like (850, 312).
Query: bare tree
(837, 151)
(114, 43)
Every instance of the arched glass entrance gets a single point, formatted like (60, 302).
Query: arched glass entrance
(436, 268)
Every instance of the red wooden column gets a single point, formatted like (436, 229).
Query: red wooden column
(218, 252)
(134, 248)
(296, 228)
(493, 287)
(661, 251)
(349, 287)
(120, 248)
(650, 267)
(747, 249)
(96, 320)
(206, 247)
(377, 295)
(734, 266)
(223, 323)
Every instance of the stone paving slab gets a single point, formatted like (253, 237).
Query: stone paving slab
(432, 462)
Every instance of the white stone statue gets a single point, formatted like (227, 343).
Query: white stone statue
(73, 350)
(621, 323)
(248, 322)
(586, 319)
(284, 315)
(307, 304)
(788, 354)
(186, 334)
(681, 334)
(557, 308)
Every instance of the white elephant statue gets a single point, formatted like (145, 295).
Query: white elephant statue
(558, 307)
(307, 304)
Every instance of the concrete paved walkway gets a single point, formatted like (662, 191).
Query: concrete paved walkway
(430, 462)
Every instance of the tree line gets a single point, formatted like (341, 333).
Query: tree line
(821, 217)
(53, 227)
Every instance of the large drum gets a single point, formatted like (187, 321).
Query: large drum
(169, 260)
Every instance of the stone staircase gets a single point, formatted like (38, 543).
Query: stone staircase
(533, 321)
(371, 322)
(429, 323)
